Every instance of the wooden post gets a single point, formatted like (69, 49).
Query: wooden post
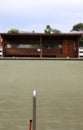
(30, 125)
(34, 110)
(41, 48)
(1, 46)
(78, 42)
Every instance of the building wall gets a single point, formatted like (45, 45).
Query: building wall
(68, 48)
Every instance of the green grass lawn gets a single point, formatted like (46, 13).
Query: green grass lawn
(59, 85)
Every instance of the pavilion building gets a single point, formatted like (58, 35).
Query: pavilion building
(40, 45)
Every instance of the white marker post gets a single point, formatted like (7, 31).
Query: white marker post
(34, 110)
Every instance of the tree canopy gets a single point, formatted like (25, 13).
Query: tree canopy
(81, 41)
(49, 30)
(78, 27)
(13, 31)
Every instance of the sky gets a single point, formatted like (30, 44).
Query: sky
(29, 15)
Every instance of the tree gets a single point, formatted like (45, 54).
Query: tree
(55, 31)
(49, 30)
(81, 41)
(78, 27)
(13, 31)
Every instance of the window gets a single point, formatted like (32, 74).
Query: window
(52, 44)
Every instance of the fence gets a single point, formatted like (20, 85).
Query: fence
(81, 52)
